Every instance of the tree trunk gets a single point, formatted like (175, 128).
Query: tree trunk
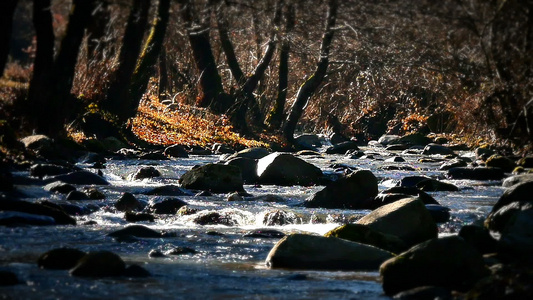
(210, 82)
(148, 59)
(97, 31)
(276, 114)
(227, 46)
(163, 88)
(60, 105)
(7, 9)
(44, 58)
(309, 87)
(118, 92)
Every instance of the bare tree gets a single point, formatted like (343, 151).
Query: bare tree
(7, 9)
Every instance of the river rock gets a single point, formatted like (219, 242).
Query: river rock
(510, 181)
(411, 181)
(498, 161)
(388, 139)
(93, 193)
(517, 236)
(59, 187)
(77, 195)
(136, 231)
(127, 202)
(264, 233)
(440, 214)
(342, 147)
(8, 278)
(99, 264)
(213, 177)
(447, 262)
(253, 153)
(308, 141)
(366, 235)
(17, 218)
(42, 170)
(60, 217)
(425, 292)
(395, 159)
(60, 259)
(136, 271)
(38, 142)
(79, 177)
(133, 217)
(214, 218)
(479, 237)
(285, 169)
(483, 153)
(434, 185)
(432, 149)
(514, 199)
(399, 192)
(279, 217)
(145, 172)
(414, 139)
(248, 167)
(166, 205)
(176, 151)
(407, 219)
(167, 190)
(355, 191)
(180, 251)
(301, 251)
(479, 173)
(456, 162)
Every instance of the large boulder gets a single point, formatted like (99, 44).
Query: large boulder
(479, 173)
(60, 258)
(502, 162)
(446, 262)
(308, 141)
(514, 199)
(355, 191)
(253, 153)
(517, 236)
(366, 235)
(301, 251)
(99, 264)
(285, 169)
(213, 177)
(407, 219)
(248, 167)
(510, 181)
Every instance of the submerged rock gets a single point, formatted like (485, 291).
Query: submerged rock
(60, 258)
(447, 262)
(136, 231)
(99, 264)
(301, 251)
(407, 219)
(213, 177)
(286, 169)
(60, 217)
(355, 191)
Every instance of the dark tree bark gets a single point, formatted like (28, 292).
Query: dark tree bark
(44, 58)
(148, 59)
(163, 88)
(309, 87)
(7, 9)
(275, 116)
(97, 31)
(61, 106)
(245, 97)
(212, 91)
(118, 92)
(227, 46)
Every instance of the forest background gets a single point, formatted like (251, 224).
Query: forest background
(240, 71)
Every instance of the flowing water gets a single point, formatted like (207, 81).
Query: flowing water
(226, 264)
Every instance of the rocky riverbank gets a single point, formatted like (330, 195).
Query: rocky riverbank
(399, 236)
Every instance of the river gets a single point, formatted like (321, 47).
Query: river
(225, 264)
